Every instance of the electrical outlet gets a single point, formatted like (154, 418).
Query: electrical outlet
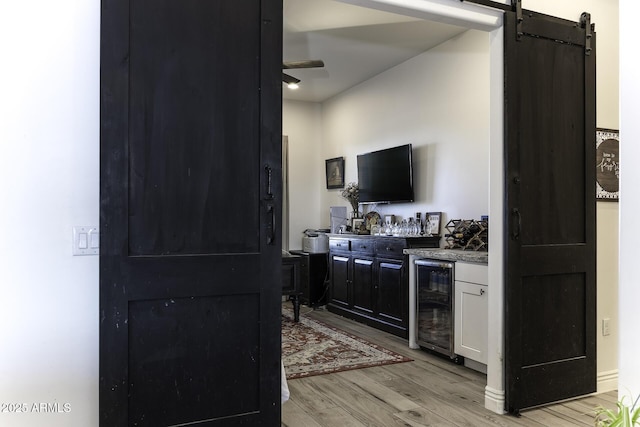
(605, 327)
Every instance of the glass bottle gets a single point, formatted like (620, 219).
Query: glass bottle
(418, 223)
(410, 230)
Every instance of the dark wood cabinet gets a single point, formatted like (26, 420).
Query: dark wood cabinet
(340, 266)
(291, 282)
(369, 280)
(313, 278)
(391, 292)
(362, 284)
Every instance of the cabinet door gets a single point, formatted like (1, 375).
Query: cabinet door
(340, 280)
(362, 284)
(391, 292)
(471, 312)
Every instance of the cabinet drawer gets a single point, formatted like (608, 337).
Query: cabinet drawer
(363, 246)
(472, 273)
(339, 245)
(390, 248)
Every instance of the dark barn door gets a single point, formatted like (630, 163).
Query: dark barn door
(190, 198)
(550, 289)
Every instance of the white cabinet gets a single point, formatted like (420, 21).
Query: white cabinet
(471, 312)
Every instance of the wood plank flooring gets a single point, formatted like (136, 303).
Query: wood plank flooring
(430, 391)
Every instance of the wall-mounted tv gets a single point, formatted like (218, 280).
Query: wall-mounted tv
(386, 176)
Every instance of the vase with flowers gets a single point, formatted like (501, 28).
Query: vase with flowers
(352, 194)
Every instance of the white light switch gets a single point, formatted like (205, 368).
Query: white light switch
(86, 240)
(94, 239)
(82, 241)
(605, 327)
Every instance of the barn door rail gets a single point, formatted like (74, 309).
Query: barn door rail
(489, 3)
(517, 7)
(585, 22)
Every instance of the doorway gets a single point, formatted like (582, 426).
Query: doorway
(494, 391)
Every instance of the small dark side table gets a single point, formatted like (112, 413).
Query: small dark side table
(291, 281)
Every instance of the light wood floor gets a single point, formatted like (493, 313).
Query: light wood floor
(429, 391)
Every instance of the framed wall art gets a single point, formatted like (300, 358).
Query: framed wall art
(433, 219)
(607, 164)
(335, 172)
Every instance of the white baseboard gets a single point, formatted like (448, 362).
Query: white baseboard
(607, 381)
(494, 400)
(476, 366)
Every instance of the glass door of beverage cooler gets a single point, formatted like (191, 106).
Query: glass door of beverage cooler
(434, 281)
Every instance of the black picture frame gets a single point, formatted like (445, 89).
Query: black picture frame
(334, 169)
(607, 165)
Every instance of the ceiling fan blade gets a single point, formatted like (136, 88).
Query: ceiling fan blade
(311, 63)
(289, 79)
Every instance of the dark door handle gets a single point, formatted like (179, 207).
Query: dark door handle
(269, 172)
(517, 225)
(271, 227)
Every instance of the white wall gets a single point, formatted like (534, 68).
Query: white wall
(630, 201)
(49, 182)
(302, 123)
(437, 101)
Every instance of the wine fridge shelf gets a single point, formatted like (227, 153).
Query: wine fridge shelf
(467, 234)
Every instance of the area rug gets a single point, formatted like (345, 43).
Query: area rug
(311, 347)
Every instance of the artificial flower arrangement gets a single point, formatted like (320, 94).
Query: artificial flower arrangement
(352, 194)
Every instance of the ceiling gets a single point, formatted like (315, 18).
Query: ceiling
(355, 43)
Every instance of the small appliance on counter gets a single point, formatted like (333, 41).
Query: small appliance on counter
(338, 218)
(315, 241)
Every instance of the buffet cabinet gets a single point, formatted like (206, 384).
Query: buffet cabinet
(369, 279)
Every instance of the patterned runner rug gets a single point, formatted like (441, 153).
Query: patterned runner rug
(311, 347)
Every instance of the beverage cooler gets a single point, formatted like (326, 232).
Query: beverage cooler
(434, 300)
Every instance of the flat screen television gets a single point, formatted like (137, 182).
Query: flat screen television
(386, 176)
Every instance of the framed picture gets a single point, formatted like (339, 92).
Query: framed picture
(358, 225)
(607, 164)
(335, 172)
(434, 223)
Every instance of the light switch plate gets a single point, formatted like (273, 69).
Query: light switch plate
(86, 240)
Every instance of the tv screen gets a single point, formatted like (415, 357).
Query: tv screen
(386, 176)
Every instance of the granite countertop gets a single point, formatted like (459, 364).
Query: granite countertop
(371, 236)
(480, 257)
